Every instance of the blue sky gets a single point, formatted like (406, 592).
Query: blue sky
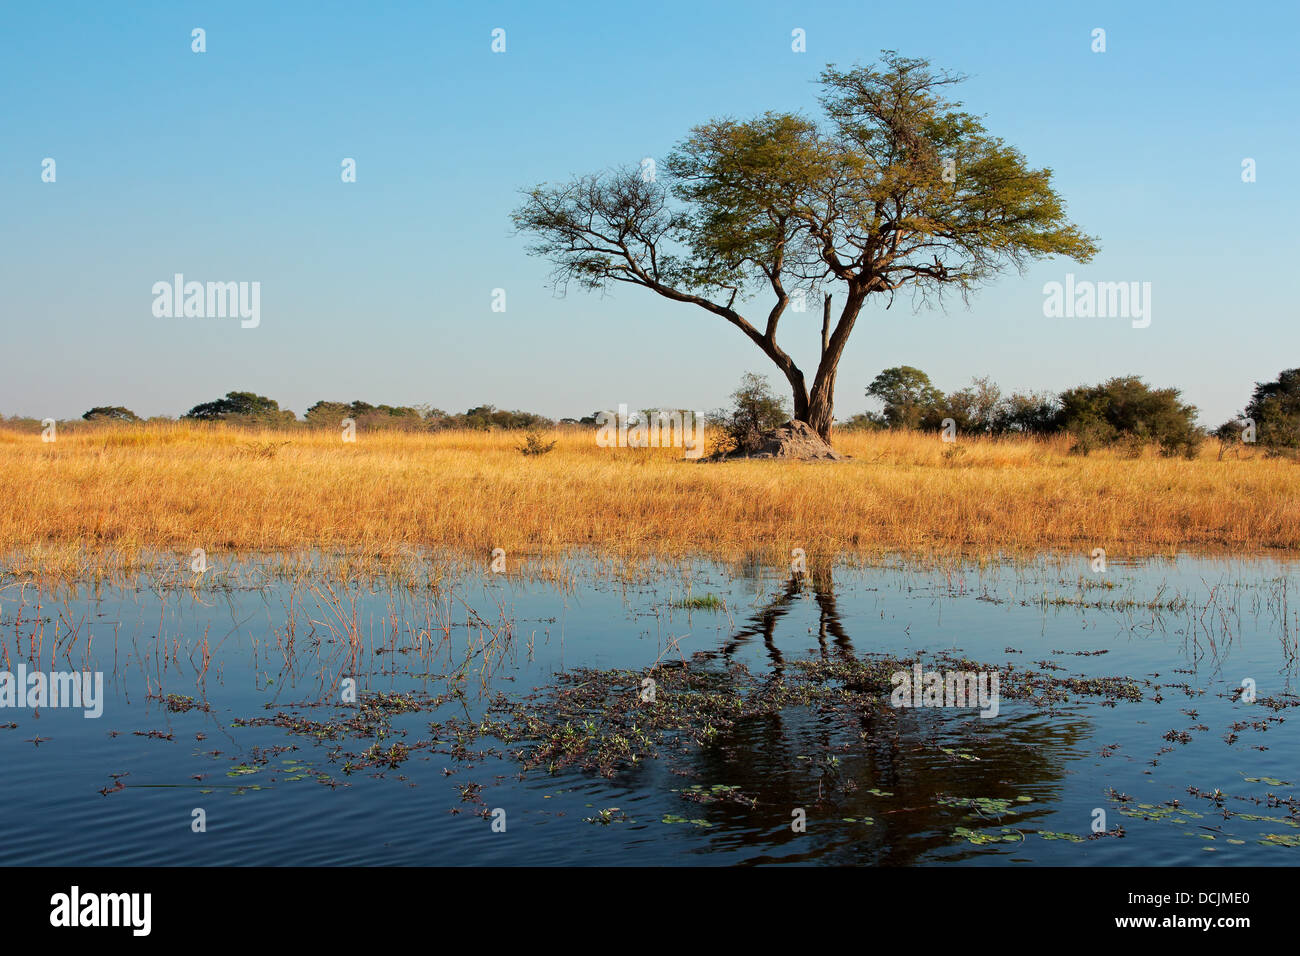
(225, 165)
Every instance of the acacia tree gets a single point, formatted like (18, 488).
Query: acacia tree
(896, 187)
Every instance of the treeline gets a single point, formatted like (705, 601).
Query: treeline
(249, 408)
(1122, 411)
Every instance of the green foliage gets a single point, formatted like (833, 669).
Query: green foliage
(365, 415)
(1026, 413)
(974, 408)
(258, 409)
(488, 417)
(981, 408)
(1122, 412)
(246, 405)
(1275, 409)
(328, 413)
(709, 602)
(908, 395)
(111, 413)
(1126, 411)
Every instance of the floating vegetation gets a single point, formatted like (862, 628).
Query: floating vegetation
(984, 837)
(671, 818)
(180, 704)
(1174, 812)
(715, 794)
(607, 816)
(1281, 839)
(598, 721)
(985, 806)
(1270, 781)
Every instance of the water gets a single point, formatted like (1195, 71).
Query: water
(923, 786)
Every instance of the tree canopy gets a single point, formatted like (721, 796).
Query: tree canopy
(1275, 408)
(114, 413)
(239, 404)
(907, 394)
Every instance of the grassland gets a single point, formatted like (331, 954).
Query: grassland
(110, 494)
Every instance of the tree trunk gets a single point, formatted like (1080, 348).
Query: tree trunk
(815, 407)
(820, 415)
(821, 408)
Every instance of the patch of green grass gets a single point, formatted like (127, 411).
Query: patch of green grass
(709, 602)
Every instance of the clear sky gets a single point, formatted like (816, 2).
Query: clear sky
(225, 166)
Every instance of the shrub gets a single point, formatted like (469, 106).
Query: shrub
(1027, 413)
(534, 444)
(755, 410)
(1126, 411)
(110, 413)
(863, 421)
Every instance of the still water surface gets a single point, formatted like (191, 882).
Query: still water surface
(934, 786)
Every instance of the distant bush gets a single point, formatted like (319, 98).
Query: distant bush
(367, 416)
(912, 401)
(327, 413)
(1128, 413)
(252, 409)
(110, 413)
(489, 417)
(973, 409)
(1274, 409)
(1123, 412)
(863, 421)
(242, 407)
(1027, 413)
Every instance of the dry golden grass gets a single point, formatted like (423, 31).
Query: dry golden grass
(110, 494)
